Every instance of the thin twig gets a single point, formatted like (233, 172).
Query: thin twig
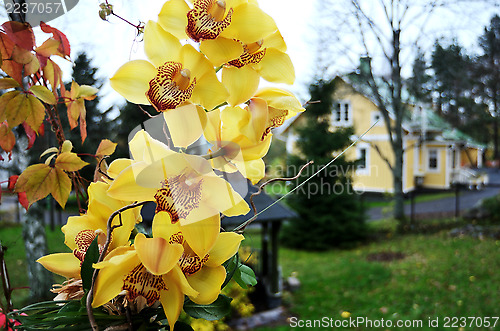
(110, 228)
(99, 170)
(243, 226)
(274, 180)
(145, 111)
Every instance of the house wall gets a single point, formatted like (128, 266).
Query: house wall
(436, 178)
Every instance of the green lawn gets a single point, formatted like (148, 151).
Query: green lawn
(11, 237)
(438, 276)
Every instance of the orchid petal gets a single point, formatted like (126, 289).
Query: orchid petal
(126, 187)
(202, 235)
(241, 83)
(254, 170)
(276, 67)
(172, 301)
(173, 17)
(219, 194)
(207, 282)
(156, 254)
(185, 124)
(117, 166)
(109, 282)
(249, 24)
(163, 226)
(226, 246)
(132, 80)
(209, 91)
(64, 264)
(159, 45)
(221, 50)
(145, 148)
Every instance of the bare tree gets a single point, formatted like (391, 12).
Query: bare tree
(386, 35)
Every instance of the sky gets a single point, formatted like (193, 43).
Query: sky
(111, 44)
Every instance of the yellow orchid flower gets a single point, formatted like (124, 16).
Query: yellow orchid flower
(175, 81)
(281, 105)
(264, 58)
(239, 133)
(149, 270)
(183, 185)
(236, 33)
(205, 249)
(80, 231)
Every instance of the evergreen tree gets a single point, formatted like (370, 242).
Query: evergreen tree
(419, 83)
(488, 74)
(330, 212)
(130, 117)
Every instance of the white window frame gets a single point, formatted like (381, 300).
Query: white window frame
(438, 160)
(342, 121)
(366, 169)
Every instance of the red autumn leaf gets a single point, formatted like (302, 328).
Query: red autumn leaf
(41, 130)
(23, 200)
(20, 33)
(12, 182)
(30, 133)
(64, 48)
(11, 67)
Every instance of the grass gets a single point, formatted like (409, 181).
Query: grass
(439, 276)
(424, 197)
(15, 256)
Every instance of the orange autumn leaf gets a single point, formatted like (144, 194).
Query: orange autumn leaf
(7, 138)
(9, 66)
(64, 47)
(106, 148)
(6, 83)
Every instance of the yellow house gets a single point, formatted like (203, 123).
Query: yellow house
(435, 155)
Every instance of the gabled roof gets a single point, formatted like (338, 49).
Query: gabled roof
(278, 212)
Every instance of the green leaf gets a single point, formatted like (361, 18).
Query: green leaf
(37, 181)
(91, 257)
(62, 187)
(212, 312)
(244, 276)
(231, 266)
(69, 161)
(44, 94)
(70, 307)
(35, 112)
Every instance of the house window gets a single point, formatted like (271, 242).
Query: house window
(433, 159)
(362, 158)
(342, 114)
